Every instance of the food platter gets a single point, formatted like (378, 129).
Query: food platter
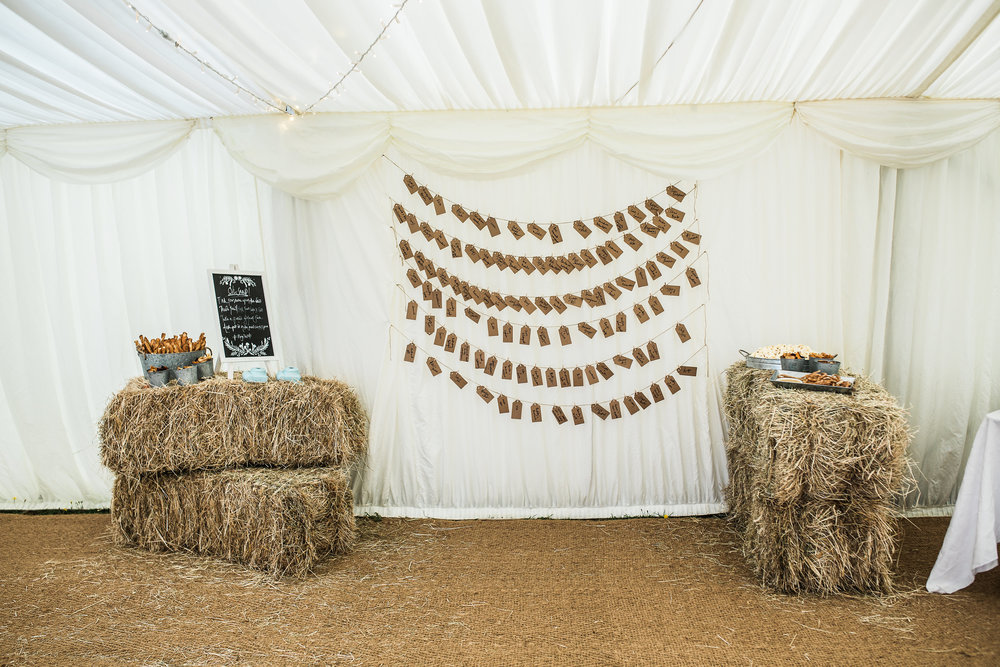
(790, 380)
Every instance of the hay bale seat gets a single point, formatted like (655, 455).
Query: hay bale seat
(221, 423)
(276, 520)
(814, 480)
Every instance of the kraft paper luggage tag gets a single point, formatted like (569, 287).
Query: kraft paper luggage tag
(661, 224)
(558, 304)
(640, 313)
(427, 231)
(598, 293)
(621, 224)
(605, 370)
(405, 250)
(577, 415)
(508, 332)
(502, 404)
(690, 371)
(410, 183)
(586, 329)
(564, 336)
(640, 356)
(463, 352)
(525, 337)
(670, 290)
(671, 384)
(577, 377)
(515, 410)
(613, 249)
(411, 352)
(536, 413)
(540, 264)
(480, 359)
(550, 377)
(623, 361)
(472, 252)
(679, 249)
(472, 315)
(486, 258)
(615, 409)
(653, 351)
(640, 277)
(436, 298)
(665, 259)
(621, 322)
(411, 310)
(499, 260)
(581, 228)
(682, 333)
(657, 393)
(627, 283)
(589, 297)
(414, 277)
(599, 410)
(512, 301)
(692, 277)
(439, 336)
(536, 376)
(425, 195)
(536, 231)
(591, 374)
(630, 405)
(655, 304)
(513, 263)
(439, 205)
(576, 261)
(507, 370)
(543, 305)
(641, 399)
(527, 304)
(400, 213)
(602, 224)
(515, 230)
(543, 336)
(674, 214)
(433, 365)
(603, 255)
(429, 325)
(492, 328)
(555, 234)
(522, 374)
(412, 223)
(636, 213)
(559, 414)
(649, 229)
(484, 393)
(526, 265)
(491, 224)
(478, 220)
(632, 241)
(606, 328)
(491, 366)
(459, 212)
(653, 207)
(653, 270)
(612, 291)
(450, 343)
(691, 237)
(456, 248)
(564, 378)
(588, 258)
(457, 378)
(676, 192)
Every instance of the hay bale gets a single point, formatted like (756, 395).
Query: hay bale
(276, 520)
(814, 480)
(220, 423)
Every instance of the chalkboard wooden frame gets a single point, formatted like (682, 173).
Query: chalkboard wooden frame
(215, 276)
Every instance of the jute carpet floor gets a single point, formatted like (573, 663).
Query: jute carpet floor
(422, 592)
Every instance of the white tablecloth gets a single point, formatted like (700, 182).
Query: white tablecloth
(970, 546)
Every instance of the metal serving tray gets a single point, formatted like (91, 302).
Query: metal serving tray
(811, 387)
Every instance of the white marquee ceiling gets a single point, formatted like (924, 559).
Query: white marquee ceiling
(65, 61)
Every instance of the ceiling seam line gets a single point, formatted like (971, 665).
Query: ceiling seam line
(959, 49)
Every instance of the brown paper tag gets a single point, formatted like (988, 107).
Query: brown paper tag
(577, 377)
(587, 296)
(599, 410)
(491, 224)
(674, 214)
(472, 315)
(671, 384)
(540, 264)
(640, 277)
(442, 241)
(463, 352)
(615, 409)
(653, 270)
(679, 249)
(632, 241)
(653, 207)
(508, 332)
(450, 343)
(425, 195)
(536, 231)
(522, 374)
(412, 223)
(429, 325)
(612, 291)
(653, 351)
(606, 328)
(559, 414)
(603, 255)
(641, 399)
(558, 304)
(525, 337)
(457, 378)
(515, 230)
(439, 336)
(486, 258)
(630, 405)
(427, 231)
(627, 283)
(500, 259)
(478, 220)
(472, 252)
(665, 259)
(623, 361)
(577, 415)
(588, 258)
(605, 370)
(581, 228)
(670, 290)
(413, 277)
(456, 248)
(586, 329)
(650, 229)
(411, 310)
(690, 371)
(526, 303)
(427, 291)
(439, 205)
(640, 356)
(536, 376)
(405, 250)
(598, 293)
(433, 365)
(515, 410)
(491, 366)
(691, 237)
(576, 261)
(543, 336)
(657, 393)
(640, 313)
(502, 404)
(436, 298)
(655, 304)
(682, 333)
(480, 359)
(564, 336)
(602, 224)
(637, 213)
(551, 380)
(543, 305)
(410, 183)
(591, 374)
(564, 378)
(450, 308)
(621, 322)
(399, 212)
(507, 370)
(692, 277)
(526, 264)
(661, 224)
(492, 328)
(513, 263)
(621, 224)
(613, 249)
(411, 352)
(459, 212)
(484, 393)
(536, 413)
(512, 301)
(675, 192)
(555, 233)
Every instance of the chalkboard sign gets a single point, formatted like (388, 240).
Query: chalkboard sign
(243, 323)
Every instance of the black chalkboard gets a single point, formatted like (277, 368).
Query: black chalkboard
(242, 309)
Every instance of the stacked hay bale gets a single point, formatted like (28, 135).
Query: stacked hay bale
(253, 473)
(814, 480)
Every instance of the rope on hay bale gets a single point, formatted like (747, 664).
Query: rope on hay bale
(814, 480)
(276, 520)
(220, 423)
